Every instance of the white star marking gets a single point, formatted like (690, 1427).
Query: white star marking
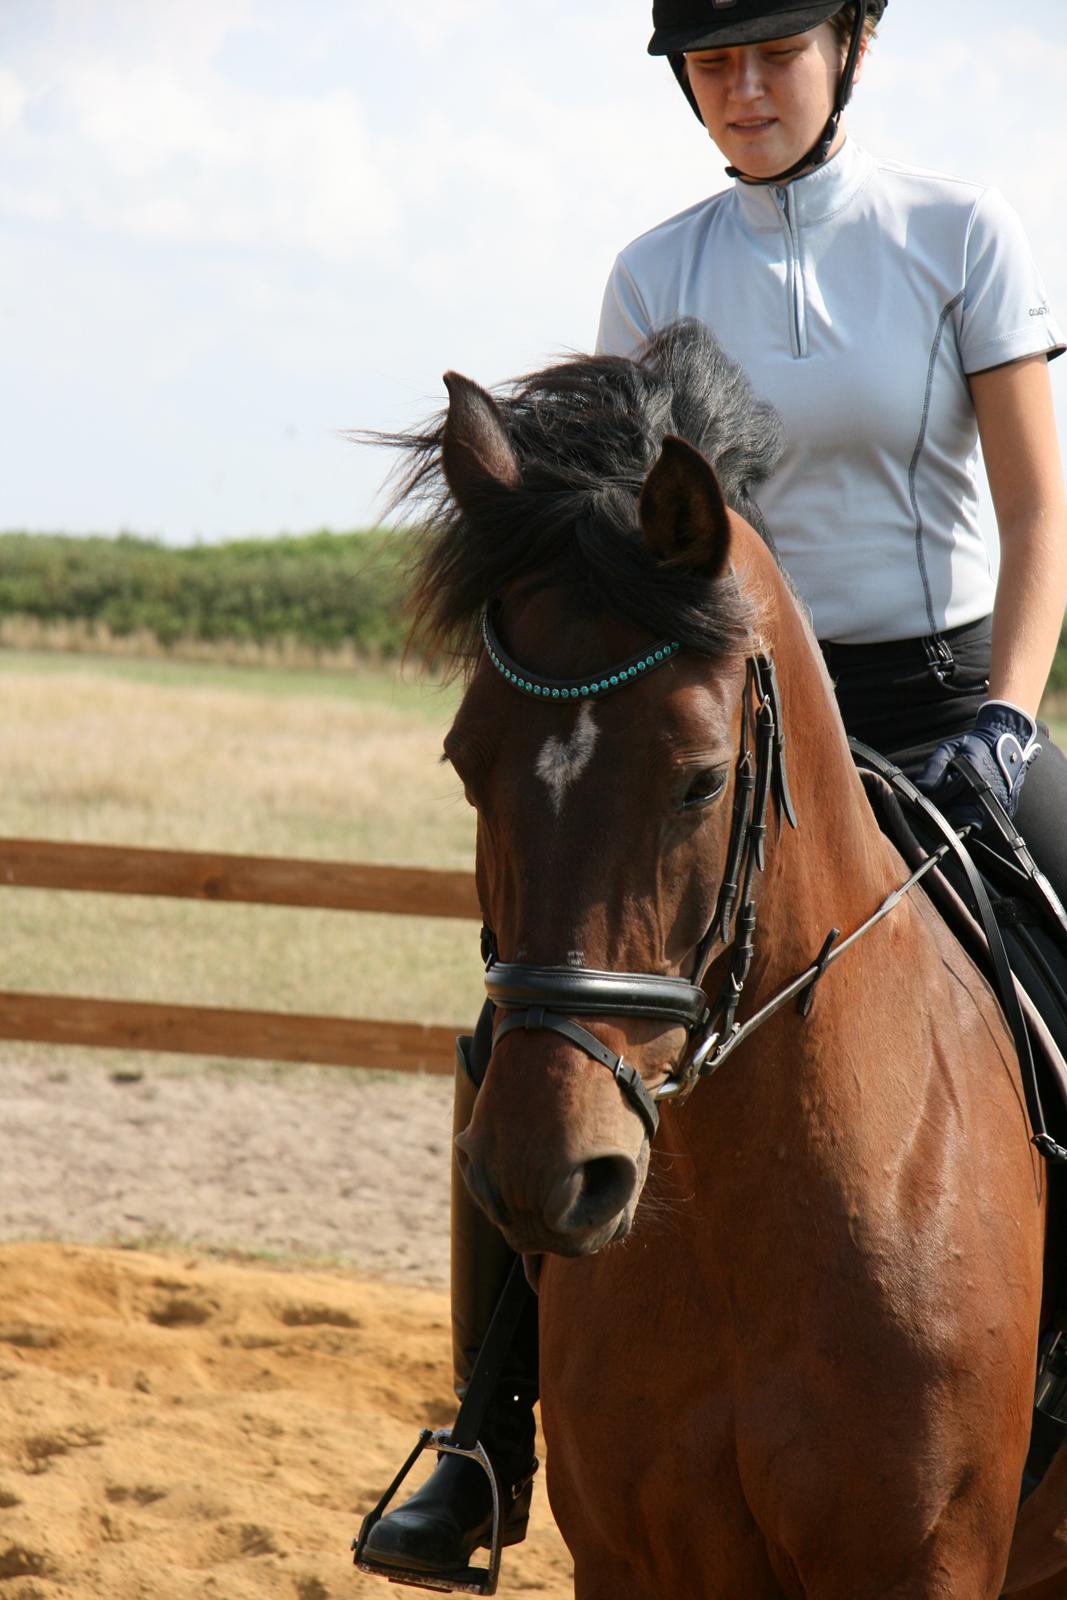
(561, 762)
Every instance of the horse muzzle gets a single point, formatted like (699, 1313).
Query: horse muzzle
(568, 1208)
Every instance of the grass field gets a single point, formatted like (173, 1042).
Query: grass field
(328, 765)
(334, 766)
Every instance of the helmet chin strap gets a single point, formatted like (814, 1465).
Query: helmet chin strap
(824, 144)
(814, 158)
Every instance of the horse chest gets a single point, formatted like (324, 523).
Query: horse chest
(631, 1429)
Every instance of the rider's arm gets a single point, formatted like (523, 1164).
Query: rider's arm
(1017, 429)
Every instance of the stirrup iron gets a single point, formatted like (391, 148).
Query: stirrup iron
(465, 1580)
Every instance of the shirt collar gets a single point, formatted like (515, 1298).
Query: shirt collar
(814, 197)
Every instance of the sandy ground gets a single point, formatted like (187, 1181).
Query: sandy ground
(311, 1163)
(175, 1425)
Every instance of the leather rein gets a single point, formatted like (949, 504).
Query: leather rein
(549, 997)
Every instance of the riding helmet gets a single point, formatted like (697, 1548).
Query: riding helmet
(681, 25)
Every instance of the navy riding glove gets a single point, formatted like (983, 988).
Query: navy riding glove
(1001, 747)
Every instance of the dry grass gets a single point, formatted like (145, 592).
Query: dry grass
(343, 767)
(77, 636)
(250, 762)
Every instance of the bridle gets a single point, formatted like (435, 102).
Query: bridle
(536, 997)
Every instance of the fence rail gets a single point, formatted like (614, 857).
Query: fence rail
(255, 880)
(250, 880)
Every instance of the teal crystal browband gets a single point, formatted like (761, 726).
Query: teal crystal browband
(574, 688)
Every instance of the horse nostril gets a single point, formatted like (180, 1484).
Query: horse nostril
(591, 1194)
(607, 1182)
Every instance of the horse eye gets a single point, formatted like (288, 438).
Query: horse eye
(706, 786)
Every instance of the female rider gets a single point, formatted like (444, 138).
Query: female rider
(894, 318)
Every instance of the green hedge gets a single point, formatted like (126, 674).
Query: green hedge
(325, 590)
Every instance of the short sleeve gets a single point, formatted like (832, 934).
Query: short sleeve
(624, 320)
(1005, 314)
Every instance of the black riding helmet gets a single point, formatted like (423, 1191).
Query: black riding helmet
(681, 25)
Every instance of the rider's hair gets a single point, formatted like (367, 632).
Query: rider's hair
(844, 21)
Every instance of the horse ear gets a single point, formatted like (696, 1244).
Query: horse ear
(682, 512)
(476, 452)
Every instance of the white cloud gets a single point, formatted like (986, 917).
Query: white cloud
(182, 36)
(223, 217)
(165, 148)
(429, 24)
(13, 98)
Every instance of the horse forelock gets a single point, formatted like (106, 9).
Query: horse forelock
(585, 433)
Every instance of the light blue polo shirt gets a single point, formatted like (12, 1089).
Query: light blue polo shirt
(858, 299)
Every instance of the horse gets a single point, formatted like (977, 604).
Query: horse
(788, 1315)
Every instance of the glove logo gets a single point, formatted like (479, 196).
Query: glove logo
(1012, 759)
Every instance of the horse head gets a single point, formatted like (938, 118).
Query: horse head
(608, 601)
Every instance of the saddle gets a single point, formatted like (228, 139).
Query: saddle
(1007, 917)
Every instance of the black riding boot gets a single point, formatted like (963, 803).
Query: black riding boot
(440, 1527)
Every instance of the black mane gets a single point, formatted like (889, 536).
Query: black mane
(586, 432)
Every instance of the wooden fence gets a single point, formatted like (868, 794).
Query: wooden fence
(255, 880)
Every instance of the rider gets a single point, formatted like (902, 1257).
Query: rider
(894, 318)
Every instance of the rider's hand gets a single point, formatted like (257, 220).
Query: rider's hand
(1001, 747)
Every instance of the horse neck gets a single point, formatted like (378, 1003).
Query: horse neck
(798, 1090)
(836, 868)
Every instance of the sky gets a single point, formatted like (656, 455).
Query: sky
(231, 230)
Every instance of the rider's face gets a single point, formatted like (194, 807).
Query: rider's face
(765, 105)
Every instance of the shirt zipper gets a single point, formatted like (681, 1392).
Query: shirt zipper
(794, 285)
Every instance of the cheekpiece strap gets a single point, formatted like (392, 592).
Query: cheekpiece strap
(596, 685)
(767, 679)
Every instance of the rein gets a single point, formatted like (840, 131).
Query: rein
(535, 997)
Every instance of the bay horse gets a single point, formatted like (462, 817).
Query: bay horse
(788, 1336)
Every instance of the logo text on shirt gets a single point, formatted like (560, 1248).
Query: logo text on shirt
(1041, 310)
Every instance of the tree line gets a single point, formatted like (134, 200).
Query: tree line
(326, 591)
